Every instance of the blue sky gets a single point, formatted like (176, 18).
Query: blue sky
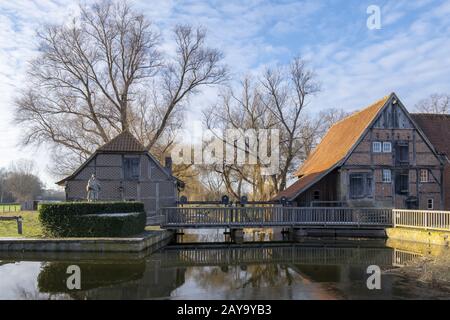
(410, 54)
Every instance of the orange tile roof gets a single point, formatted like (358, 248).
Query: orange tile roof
(338, 141)
(333, 148)
(297, 186)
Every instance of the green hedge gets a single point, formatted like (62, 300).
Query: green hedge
(69, 219)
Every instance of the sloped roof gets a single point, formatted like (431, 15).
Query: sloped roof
(297, 186)
(437, 129)
(124, 142)
(334, 147)
(341, 137)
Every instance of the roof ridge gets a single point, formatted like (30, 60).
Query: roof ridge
(132, 144)
(430, 114)
(363, 109)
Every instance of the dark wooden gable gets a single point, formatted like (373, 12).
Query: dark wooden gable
(393, 116)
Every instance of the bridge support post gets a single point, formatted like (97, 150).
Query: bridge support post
(237, 235)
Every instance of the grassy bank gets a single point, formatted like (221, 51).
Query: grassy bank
(31, 225)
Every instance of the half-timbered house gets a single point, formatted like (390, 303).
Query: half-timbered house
(377, 157)
(126, 172)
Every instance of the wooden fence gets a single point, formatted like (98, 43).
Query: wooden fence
(422, 219)
(9, 207)
(242, 217)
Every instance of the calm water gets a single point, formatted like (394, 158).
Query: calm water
(264, 267)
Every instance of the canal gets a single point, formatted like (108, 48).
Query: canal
(205, 265)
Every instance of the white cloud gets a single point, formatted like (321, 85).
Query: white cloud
(409, 55)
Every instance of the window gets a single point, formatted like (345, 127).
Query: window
(387, 147)
(430, 204)
(424, 175)
(402, 153)
(402, 182)
(131, 168)
(387, 176)
(360, 185)
(316, 195)
(376, 146)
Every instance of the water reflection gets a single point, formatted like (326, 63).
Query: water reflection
(325, 269)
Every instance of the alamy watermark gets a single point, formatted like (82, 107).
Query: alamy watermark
(233, 146)
(374, 19)
(73, 282)
(374, 280)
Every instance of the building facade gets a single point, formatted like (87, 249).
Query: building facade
(126, 172)
(437, 129)
(377, 157)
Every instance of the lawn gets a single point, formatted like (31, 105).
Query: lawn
(31, 225)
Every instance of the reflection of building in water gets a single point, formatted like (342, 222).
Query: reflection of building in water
(142, 279)
(248, 270)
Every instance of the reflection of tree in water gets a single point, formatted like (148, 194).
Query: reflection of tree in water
(239, 277)
(250, 234)
(115, 279)
(202, 236)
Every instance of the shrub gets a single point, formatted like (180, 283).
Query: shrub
(84, 219)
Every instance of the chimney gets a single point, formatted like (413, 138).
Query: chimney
(168, 164)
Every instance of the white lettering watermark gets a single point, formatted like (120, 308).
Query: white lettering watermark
(233, 146)
(374, 19)
(374, 280)
(74, 280)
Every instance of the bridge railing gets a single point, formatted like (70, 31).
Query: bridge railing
(422, 219)
(275, 216)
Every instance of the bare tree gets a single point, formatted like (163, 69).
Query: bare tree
(240, 112)
(104, 73)
(435, 103)
(276, 100)
(21, 181)
(287, 91)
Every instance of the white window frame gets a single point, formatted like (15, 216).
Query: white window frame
(430, 201)
(427, 174)
(387, 147)
(378, 147)
(386, 178)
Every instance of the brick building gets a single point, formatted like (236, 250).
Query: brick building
(437, 129)
(126, 171)
(377, 157)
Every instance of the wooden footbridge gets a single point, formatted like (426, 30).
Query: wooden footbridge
(275, 216)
